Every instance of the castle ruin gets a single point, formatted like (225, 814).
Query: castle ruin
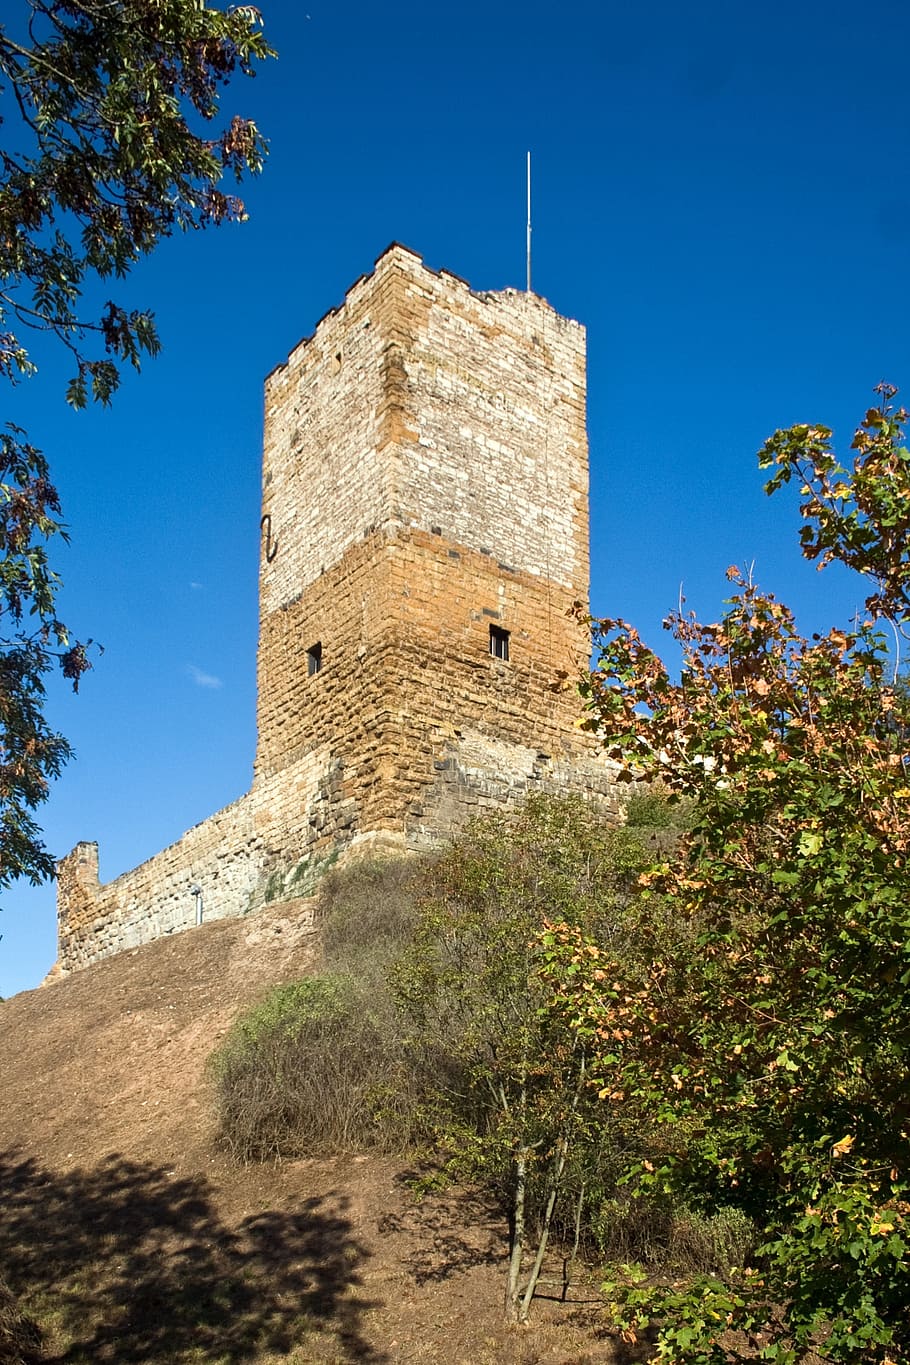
(424, 534)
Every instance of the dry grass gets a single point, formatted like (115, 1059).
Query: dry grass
(20, 1339)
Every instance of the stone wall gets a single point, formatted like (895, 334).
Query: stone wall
(424, 476)
(496, 453)
(324, 485)
(154, 898)
(424, 480)
(418, 402)
(273, 844)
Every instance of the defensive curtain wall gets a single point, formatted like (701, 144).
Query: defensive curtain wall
(424, 533)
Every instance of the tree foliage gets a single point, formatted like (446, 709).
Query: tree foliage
(103, 161)
(513, 1101)
(861, 516)
(108, 110)
(31, 752)
(777, 1054)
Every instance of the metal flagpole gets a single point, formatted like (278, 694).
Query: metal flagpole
(529, 223)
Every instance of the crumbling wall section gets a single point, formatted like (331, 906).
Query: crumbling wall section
(475, 773)
(273, 844)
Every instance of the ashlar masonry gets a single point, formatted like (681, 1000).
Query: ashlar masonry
(424, 534)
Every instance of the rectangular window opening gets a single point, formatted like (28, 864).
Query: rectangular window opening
(313, 659)
(499, 643)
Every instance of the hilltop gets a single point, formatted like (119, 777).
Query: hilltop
(131, 1238)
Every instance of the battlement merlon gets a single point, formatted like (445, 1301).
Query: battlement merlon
(77, 888)
(80, 864)
(425, 405)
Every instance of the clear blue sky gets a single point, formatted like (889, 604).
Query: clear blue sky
(720, 196)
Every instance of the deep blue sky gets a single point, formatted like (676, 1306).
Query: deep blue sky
(720, 196)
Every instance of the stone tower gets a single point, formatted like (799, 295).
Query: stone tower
(424, 533)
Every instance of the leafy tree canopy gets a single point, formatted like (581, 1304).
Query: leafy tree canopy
(777, 1054)
(108, 142)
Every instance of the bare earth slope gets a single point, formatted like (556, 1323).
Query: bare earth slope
(131, 1238)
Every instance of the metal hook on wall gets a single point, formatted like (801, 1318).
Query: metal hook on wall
(271, 549)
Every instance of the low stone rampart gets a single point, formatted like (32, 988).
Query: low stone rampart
(275, 843)
(270, 845)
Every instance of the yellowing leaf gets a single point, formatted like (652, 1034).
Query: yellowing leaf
(842, 1148)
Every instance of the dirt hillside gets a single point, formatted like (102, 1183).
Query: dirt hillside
(129, 1237)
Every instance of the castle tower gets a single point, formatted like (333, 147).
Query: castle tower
(424, 534)
(425, 531)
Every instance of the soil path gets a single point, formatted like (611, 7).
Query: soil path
(131, 1238)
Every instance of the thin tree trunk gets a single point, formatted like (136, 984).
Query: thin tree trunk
(568, 1264)
(518, 1237)
(525, 1305)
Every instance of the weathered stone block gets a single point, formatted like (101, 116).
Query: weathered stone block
(424, 536)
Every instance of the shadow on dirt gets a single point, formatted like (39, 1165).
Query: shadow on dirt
(454, 1232)
(128, 1264)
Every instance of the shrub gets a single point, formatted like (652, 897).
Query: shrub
(367, 914)
(713, 1243)
(427, 1023)
(516, 1110)
(292, 1075)
(320, 1066)
(666, 1238)
(649, 808)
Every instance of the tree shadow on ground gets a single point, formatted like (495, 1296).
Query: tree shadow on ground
(456, 1230)
(128, 1264)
